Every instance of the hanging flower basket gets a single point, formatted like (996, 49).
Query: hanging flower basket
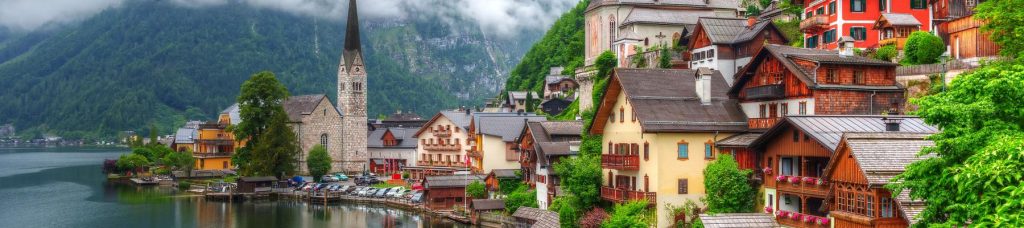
(794, 180)
(781, 178)
(823, 221)
(767, 209)
(767, 170)
(810, 180)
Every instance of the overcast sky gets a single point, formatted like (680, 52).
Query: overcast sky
(497, 17)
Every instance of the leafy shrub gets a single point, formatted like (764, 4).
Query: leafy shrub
(886, 53)
(476, 190)
(922, 48)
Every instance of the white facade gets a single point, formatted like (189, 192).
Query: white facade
(542, 188)
(802, 106)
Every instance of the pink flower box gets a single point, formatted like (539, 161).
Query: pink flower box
(767, 209)
(781, 214)
(795, 216)
(794, 180)
(810, 180)
(810, 219)
(823, 221)
(767, 170)
(781, 178)
(820, 182)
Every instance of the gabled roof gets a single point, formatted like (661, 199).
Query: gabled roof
(665, 100)
(897, 20)
(733, 30)
(506, 127)
(882, 156)
(297, 106)
(539, 218)
(504, 173)
(552, 79)
(233, 113)
(451, 181)
(746, 220)
(461, 118)
(786, 55)
(406, 137)
(729, 4)
(521, 95)
(664, 16)
(827, 130)
(738, 140)
(553, 138)
(487, 204)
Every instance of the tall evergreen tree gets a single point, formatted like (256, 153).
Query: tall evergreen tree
(152, 134)
(530, 102)
(275, 155)
(259, 101)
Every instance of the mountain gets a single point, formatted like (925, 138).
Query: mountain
(151, 62)
(562, 45)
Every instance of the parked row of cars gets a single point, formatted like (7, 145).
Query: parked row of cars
(415, 196)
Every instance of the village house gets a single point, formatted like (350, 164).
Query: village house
(185, 139)
(782, 80)
(621, 25)
(493, 137)
(558, 85)
(954, 21)
(211, 145)
(826, 21)
(443, 143)
(727, 44)
(495, 177)
(447, 192)
(858, 172)
(542, 144)
(895, 28)
(796, 151)
(398, 119)
(486, 208)
(517, 100)
(554, 106)
(650, 120)
(391, 149)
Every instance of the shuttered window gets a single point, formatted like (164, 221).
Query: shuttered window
(708, 154)
(859, 33)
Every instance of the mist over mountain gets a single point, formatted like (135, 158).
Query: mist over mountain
(161, 62)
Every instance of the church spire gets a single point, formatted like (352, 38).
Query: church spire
(352, 31)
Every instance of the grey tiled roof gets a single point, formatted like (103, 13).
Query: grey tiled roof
(406, 137)
(746, 220)
(521, 95)
(506, 127)
(186, 135)
(487, 204)
(539, 218)
(504, 173)
(554, 79)
(296, 106)
(722, 4)
(665, 16)
(731, 30)
(882, 156)
(828, 130)
(901, 19)
(910, 208)
(451, 181)
(460, 118)
(738, 140)
(667, 101)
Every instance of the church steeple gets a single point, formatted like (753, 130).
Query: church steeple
(353, 49)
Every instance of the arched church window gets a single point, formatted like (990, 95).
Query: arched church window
(611, 31)
(323, 140)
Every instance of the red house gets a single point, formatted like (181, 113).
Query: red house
(825, 21)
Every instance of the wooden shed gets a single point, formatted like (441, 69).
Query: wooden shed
(256, 184)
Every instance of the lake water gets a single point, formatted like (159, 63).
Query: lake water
(64, 187)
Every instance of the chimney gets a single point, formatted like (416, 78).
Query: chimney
(751, 21)
(892, 124)
(846, 46)
(702, 81)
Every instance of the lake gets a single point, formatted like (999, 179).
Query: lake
(64, 187)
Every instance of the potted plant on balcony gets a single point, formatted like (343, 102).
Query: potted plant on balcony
(810, 180)
(767, 170)
(781, 178)
(782, 214)
(767, 209)
(823, 221)
(810, 219)
(795, 216)
(794, 179)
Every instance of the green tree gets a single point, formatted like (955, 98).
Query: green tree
(520, 197)
(153, 135)
(633, 214)
(318, 162)
(972, 177)
(922, 48)
(1003, 22)
(665, 59)
(530, 102)
(276, 152)
(145, 152)
(131, 162)
(727, 188)
(476, 190)
(886, 53)
(259, 102)
(182, 161)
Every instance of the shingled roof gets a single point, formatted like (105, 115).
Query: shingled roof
(665, 100)
(732, 30)
(897, 19)
(487, 204)
(537, 218)
(297, 106)
(506, 127)
(461, 119)
(728, 4)
(405, 136)
(664, 16)
(786, 55)
(553, 138)
(738, 140)
(746, 220)
(827, 130)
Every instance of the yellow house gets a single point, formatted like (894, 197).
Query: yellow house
(213, 145)
(494, 134)
(659, 129)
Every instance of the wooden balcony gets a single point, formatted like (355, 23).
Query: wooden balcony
(772, 91)
(439, 147)
(898, 41)
(473, 153)
(441, 164)
(814, 24)
(616, 195)
(803, 186)
(212, 155)
(442, 133)
(761, 123)
(955, 9)
(620, 161)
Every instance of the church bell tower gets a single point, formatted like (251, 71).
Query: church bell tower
(352, 98)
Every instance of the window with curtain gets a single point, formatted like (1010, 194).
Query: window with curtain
(918, 4)
(859, 33)
(832, 8)
(830, 36)
(882, 5)
(820, 11)
(683, 150)
(858, 5)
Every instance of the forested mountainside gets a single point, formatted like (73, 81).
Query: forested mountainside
(562, 45)
(150, 62)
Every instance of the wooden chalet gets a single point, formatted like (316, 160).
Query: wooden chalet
(794, 155)
(255, 184)
(961, 31)
(447, 192)
(782, 80)
(894, 28)
(542, 144)
(494, 178)
(860, 168)
(727, 44)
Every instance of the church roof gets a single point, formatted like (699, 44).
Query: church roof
(297, 106)
(353, 49)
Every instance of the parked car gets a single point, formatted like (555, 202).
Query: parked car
(368, 192)
(397, 191)
(328, 178)
(418, 198)
(381, 193)
(341, 177)
(307, 186)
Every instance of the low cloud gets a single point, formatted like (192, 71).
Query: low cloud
(497, 17)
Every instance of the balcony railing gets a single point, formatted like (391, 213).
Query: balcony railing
(804, 185)
(773, 91)
(473, 153)
(898, 41)
(441, 164)
(761, 123)
(217, 154)
(814, 23)
(442, 133)
(956, 9)
(439, 147)
(622, 195)
(620, 161)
